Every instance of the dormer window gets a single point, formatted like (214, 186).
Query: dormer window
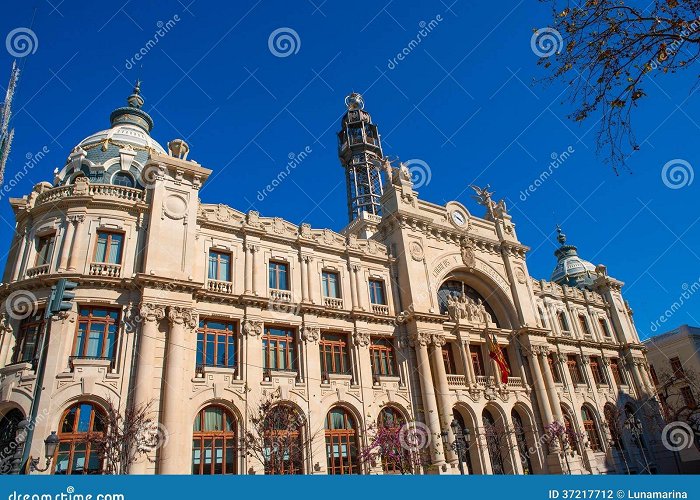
(123, 179)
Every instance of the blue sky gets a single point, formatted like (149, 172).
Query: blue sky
(463, 101)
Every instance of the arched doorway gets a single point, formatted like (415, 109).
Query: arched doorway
(214, 445)
(8, 438)
(521, 441)
(469, 441)
(494, 438)
(342, 442)
(395, 461)
(81, 427)
(590, 426)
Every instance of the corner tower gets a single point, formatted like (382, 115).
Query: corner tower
(360, 153)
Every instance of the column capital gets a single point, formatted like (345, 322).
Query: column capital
(307, 258)
(75, 219)
(179, 315)
(419, 339)
(310, 333)
(150, 311)
(585, 359)
(360, 338)
(438, 340)
(252, 248)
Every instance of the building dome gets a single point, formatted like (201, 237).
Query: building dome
(118, 154)
(571, 270)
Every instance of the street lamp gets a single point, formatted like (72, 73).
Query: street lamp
(460, 444)
(50, 445)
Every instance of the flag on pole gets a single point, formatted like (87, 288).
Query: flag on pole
(496, 353)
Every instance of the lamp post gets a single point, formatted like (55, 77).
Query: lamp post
(634, 425)
(20, 440)
(460, 444)
(50, 445)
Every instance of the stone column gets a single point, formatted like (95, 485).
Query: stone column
(444, 403)
(19, 258)
(358, 287)
(255, 280)
(608, 373)
(311, 289)
(550, 386)
(78, 240)
(353, 285)
(466, 354)
(178, 427)
(304, 278)
(540, 390)
(420, 343)
(67, 242)
(150, 315)
(248, 269)
(638, 382)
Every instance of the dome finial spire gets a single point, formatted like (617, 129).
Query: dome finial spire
(135, 100)
(561, 237)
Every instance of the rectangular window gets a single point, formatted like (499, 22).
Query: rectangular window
(279, 275)
(563, 322)
(330, 284)
(334, 354)
(376, 292)
(574, 371)
(688, 397)
(596, 369)
(96, 336)
(448, 359)
(216, 344)
(677, 368)
(44, 249)
(553, 368)
(477, 362)
(606, 329)
(29, 338)
(585, 329)
(654, 377)
(381, 352)
(109, 247)
(279, 350)
(615, 369)
(219, 266)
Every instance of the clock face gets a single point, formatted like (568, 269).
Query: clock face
(459, 218)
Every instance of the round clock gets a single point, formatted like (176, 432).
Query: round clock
(458, 218)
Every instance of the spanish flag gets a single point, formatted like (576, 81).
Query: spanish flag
(496, 353)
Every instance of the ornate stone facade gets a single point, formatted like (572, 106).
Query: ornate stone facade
(421, 282)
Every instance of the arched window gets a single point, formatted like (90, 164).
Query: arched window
(455, 289)
(214, 441)
(591, 428)
(283, 448)
(123, 179)
(543, 320)
(341, 442)
(493, 442)
(521, 440)
(8, 437)
(82, 425)
(389, 422)
(571, 436)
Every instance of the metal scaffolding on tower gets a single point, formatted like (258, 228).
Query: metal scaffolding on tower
(7, 134)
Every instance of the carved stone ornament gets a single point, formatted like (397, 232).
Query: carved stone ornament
(360, 339)
(416, 251)
(151, 312)
(310, 333)
(182, 316)
(438, 340)
(305, 231)
(253, 218)
(520, 275)
(467, 251)
(419, 338)
(252, 327)
(461, 308)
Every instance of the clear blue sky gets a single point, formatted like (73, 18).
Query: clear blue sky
(463, 101)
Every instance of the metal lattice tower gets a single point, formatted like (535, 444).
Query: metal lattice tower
(360, 153)
(6, 135)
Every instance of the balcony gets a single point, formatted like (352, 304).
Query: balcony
(103, 191)
(516, 383)
(380, 309)
(218, 286)
(38, 271)
(456, 380)
(333, 303)
(105, 269)
(280, 295)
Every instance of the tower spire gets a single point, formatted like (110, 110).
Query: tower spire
(360, 154)
(7, 134)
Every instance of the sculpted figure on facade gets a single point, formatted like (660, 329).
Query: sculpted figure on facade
(461, 307)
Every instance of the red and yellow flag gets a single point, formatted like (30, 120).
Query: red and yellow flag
(496, 353)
